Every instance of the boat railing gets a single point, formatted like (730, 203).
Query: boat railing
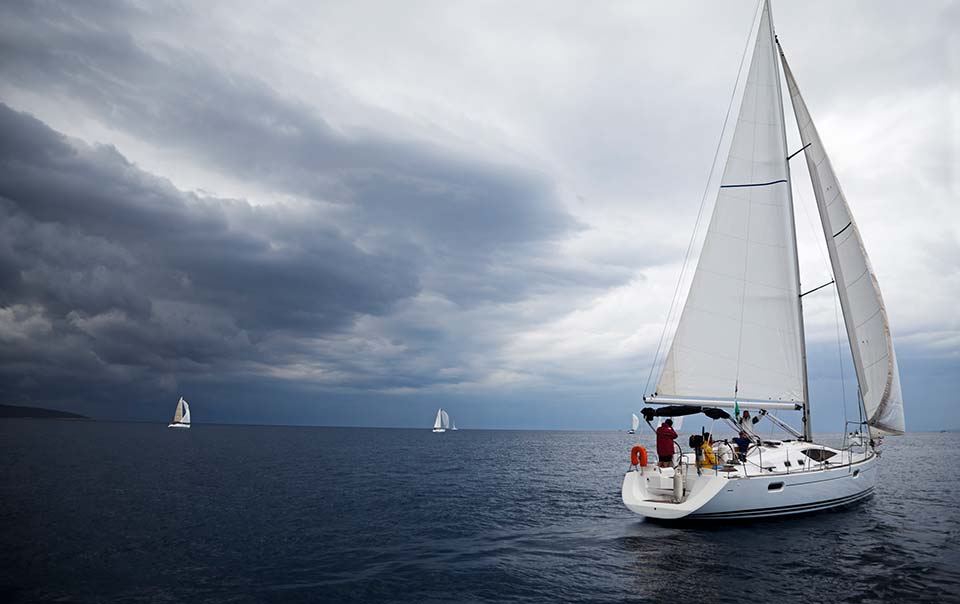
(679, 450)
(729, 453)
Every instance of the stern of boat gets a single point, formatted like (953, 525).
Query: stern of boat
(666, 493)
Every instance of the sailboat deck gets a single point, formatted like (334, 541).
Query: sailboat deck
(777, 457)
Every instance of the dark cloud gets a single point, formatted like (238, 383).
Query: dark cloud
(458, 210)
(136, 282)
(129, 272)
(149, 284)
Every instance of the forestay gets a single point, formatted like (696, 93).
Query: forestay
(740, 331)
(863, 311)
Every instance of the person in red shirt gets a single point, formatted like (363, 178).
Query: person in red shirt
(665, 437)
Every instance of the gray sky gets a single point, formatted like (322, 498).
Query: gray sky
(353, 213)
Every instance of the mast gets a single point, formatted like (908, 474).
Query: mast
(807, 427)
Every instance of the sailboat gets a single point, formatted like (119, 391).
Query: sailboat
(181, 417)
(442, 422)
(634, 423)
(453, 425)
(739, 342)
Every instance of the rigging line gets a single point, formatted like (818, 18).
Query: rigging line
(798, 150)
(818, 288)
(703, 199)
(836, 308)
(816, 241)
(843, 384)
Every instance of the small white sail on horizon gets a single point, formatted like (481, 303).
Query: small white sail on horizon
(442, 422)
(181, 416)
(634, 423)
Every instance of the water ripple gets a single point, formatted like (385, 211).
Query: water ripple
(137, 513)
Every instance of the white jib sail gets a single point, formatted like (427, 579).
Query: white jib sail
(868, 328)
(740, 333)
(186, 412)
(634, 422)
(438, 423)
(446, 418)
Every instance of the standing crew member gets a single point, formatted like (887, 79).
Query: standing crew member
(746, 424)
(743, 445)
(665, 437)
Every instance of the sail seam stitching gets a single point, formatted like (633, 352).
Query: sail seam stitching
(744, 280)
(857, 280)
(883, 358)
(864, 322)
(727, 358)
(748, 240)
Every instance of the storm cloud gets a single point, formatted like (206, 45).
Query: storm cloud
(147, 276)
(115, 272)
(458, 209)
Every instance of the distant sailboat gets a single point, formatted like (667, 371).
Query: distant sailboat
(634, 424)
(442, 422)
(453, 425)
(181, 417)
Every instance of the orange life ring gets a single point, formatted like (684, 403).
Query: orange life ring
(638, 456)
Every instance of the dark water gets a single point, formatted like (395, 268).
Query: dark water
(135, 512)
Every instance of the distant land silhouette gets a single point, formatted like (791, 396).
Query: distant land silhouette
(8, 411)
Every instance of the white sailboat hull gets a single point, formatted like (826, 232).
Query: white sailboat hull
(720, 495)
(439, 429)
(178, 425)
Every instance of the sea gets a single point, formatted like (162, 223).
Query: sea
(134, 512)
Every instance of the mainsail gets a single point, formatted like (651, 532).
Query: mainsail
(868, 328)
(446, 418)
(740, 334)
(438, 423)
